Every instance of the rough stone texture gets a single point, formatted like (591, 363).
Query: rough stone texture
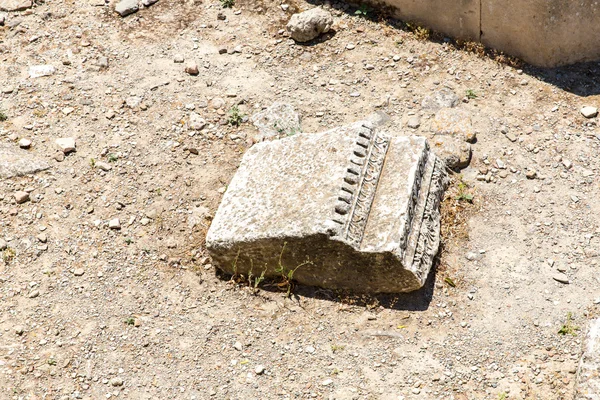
(15, 5)
(307, 25)
(443, 98)
(588, 373)
(328, 207)
(66, 145)
(17, 162)
(453, 122)
(546, 33)
(37, 71)
(455, 153)
(278, 120)
(126, 7)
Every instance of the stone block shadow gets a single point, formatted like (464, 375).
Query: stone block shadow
(418, 300)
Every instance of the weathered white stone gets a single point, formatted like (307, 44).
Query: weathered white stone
(588, 374)
(327, 207)
(17, 162)
(455, 152)
(197, 123)
(21, 197)
(126, 7)
(442, 98)
(589, 112)
(66, 145)
(37, 71)
(307, 25)
(15, 5)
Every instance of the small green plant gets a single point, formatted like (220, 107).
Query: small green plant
(568, 328)
(502, 396)
(287, 275)
(363, 11)
(111, 157)
(3, 116)
(259, 279)
(128, 240)
(130, 321)
(463, 194)
(92, 163)
(227, 3)
(337, 347)
(471, 94)
(51, 361)
(420, 32)
(235, 116)
(157, 191)
(8, 254)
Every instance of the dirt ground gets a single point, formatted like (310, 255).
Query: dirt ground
(89, 312)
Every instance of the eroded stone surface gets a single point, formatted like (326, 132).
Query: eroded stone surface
(17, 162)
(329, 208)
(307, 25)
(15, 5)
(588, 373)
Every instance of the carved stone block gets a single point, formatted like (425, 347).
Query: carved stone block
(351, 208)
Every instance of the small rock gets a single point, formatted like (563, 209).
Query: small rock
(15, 5)
(561, 277)
(531, 174)
(37, 71)
(308, 25)
(103, 62)
(567, 163)
(34, 294)
(192, 68)
(454, 152)
(19, 330)
(116, 381)
(24, 143)
(78, 271)
(148, 3)
(589, 112)
(3, 245)
(453, 122)
(442, 98)
(511, 137)
(114, 223)
(126, 7)
(42, 237)
(67, 145)
(21, 197)
(238, 346)
(133, 101)
(217, 103)
(327, 382)
(259, 370)
(178, 59)
(59, 156)
(413, 122)
(197, 123)
(103, 166)
(471, 137)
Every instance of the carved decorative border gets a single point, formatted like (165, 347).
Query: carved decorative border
(360, 185)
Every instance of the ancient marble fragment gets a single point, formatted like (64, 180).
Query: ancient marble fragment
(351, 208)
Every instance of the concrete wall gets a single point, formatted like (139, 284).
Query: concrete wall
(545, 33)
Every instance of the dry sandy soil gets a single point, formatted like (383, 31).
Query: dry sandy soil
(140, 313)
